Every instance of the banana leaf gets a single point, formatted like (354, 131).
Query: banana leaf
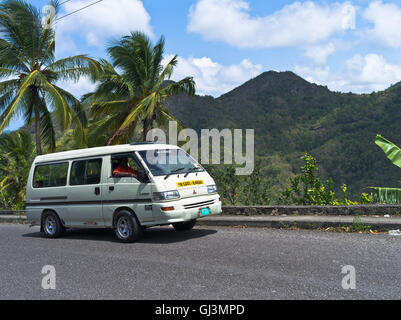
(386, 195)
(390, 149)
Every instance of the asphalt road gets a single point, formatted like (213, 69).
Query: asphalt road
(205, 263)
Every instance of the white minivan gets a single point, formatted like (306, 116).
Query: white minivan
(124, 187)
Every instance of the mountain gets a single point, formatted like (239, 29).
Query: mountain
(292, 116)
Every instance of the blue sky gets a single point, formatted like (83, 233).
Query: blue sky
(346, 45)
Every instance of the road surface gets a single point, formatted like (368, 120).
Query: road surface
(205, 263)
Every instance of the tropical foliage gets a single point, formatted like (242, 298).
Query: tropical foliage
(17, 154)
(132, 89)
(31, 74)
(308, 189)
(253, 189)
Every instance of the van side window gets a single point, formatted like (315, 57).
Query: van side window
(126, 163)
(86, 172)
(50, 175)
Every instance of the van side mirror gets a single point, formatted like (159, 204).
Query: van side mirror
(142, 176)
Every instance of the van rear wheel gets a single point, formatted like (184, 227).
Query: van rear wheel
(127, 227)
(183, 226)
(51, 225)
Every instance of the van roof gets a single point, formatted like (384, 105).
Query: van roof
(100, 151)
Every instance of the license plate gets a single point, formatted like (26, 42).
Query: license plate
(190, 183)
(204, 212)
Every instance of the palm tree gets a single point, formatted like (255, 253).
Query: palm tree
(30, 74)
(90, 137)
(17, 152)
(133, 87)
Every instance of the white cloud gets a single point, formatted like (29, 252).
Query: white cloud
(211, 77)
(297, 24)
(361, 74)
(103, 20)
(79, 88)
(373, 71)
(386, 19)
(319, 53)
(323, 76)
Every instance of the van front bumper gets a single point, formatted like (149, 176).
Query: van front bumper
(185, 209)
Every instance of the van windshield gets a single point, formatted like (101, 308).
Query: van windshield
(169, 161)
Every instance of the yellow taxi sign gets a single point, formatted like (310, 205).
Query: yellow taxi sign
(189, 183)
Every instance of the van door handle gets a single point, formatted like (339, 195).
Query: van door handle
(111, 188)
(97, 191)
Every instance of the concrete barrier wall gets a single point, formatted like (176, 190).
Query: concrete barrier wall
(372, 209)
(12, 212)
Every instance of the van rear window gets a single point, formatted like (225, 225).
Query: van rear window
(50, 175)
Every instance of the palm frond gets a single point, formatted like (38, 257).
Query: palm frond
(75, 105)
(73, 68)
(167, 72)
(9, 112)
(134, 115)
(47, 134)
(8, 72)
(21, 26)
(56, 100)
(186, 85)
(98, 110)
(157, 59)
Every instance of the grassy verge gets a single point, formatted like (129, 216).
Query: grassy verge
(13, 221)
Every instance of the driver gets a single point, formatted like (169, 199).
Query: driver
(123, 169)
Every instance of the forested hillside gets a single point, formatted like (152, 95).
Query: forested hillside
(292, 116)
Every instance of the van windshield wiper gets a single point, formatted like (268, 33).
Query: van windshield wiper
(190, 170)
(173, 171)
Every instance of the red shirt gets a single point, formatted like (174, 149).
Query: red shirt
(125, 170)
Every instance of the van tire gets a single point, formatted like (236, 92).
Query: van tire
(126, 227)
(183, 226)
(51, 225)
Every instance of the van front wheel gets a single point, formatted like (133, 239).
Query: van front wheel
(183, 226)
(127, 227)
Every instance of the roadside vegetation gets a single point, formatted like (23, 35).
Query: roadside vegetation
(308, 189)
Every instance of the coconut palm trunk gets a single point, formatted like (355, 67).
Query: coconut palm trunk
(37, 130)
(146, 127)
(36, 108)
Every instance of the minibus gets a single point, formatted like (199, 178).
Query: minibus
(125, 187)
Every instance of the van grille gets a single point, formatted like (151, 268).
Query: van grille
(198, 204)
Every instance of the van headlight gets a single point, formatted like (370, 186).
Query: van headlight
(212, 189)
(168, 195)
